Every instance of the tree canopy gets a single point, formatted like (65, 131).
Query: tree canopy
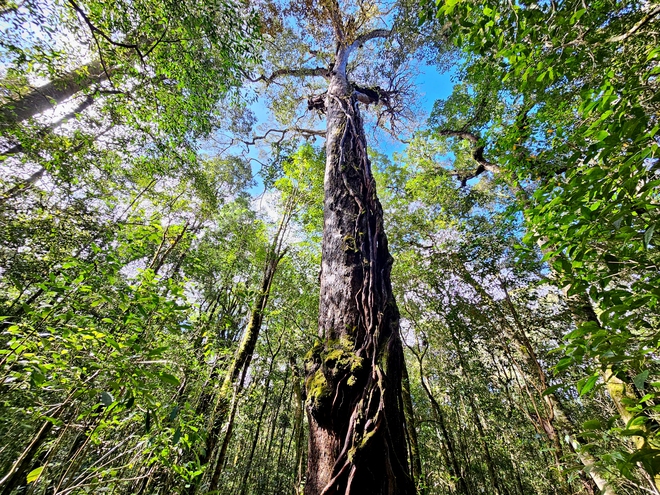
(217, 277)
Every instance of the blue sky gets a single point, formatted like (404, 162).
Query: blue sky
(432, 86)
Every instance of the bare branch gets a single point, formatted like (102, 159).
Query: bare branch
(636, 27)
(95, 29)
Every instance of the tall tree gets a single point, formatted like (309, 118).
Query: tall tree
(357, 440)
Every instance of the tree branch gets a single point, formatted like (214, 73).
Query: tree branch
(483, 165)
(473, 138)
(303, 72)
(636, 27)
(95, 29)
(82, 106)
(376, 33)
(306, 133)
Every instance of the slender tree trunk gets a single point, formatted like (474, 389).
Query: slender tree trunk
(619, 391)
(582, 311)
(451, 460)
(271, 437)
(257, 429)
(222, 455)
(244, 353)
(357, 441)
(416, 461)
(556, 421)
(490, 464)
(298, 430)
(16, 475)
(19, 469)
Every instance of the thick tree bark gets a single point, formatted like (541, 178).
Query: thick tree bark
(357, 441)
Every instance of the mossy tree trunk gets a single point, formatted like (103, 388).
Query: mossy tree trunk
(357, 440)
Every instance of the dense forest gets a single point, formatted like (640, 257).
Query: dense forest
(217, 277)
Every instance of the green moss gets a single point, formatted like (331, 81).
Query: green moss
(317, 388)
(349, 244)
(340, 354)
(327, 363)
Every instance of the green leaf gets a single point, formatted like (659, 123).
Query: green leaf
(34, 474)
(107, 398)
(564, 363)
(168, 378)
(586, 386)
(634, 432)
(576, 16)
(601, 135)
(640, 380)
(552, 389)
(177, 436)
(592, 424)
(37, 378)
(648, 235)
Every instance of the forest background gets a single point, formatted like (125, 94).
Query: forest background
(160, 247)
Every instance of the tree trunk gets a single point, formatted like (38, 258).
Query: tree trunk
(488, 458)
(17, 474)
(257, 430)
(19, 468)
(357, 441)
(243, 356)
(73, 114)
(450, 457)
(298, 430)
(415, 459)
(51, 94)
(555, 422)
